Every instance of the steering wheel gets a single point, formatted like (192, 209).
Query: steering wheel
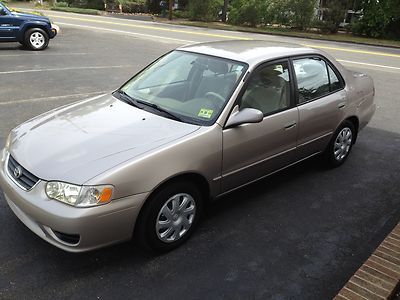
(212, 95)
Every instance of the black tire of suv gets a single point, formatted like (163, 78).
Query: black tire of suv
(27, 42)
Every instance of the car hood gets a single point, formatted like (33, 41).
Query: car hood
(31, 17)
(80, 141)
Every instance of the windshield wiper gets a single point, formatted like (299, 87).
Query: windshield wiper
(159, 108)
(128, 99)
(139, 103)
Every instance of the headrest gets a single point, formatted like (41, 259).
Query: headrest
(313, 68)
(218, 66)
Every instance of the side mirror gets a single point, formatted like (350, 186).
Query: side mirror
(3, 12)
(246, 115)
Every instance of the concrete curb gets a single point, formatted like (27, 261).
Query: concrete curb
(379, 277)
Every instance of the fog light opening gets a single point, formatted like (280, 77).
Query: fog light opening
(72, 239)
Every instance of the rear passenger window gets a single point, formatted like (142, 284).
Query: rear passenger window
(335, 82)
(312, 78)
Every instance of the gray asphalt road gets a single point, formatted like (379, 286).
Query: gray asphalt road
(298, 235)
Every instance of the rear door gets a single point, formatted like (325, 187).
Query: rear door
(321, 100)
(251, 151)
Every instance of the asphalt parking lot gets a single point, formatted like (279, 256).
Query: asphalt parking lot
(299, 234)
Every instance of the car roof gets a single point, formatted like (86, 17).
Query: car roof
(249, 51)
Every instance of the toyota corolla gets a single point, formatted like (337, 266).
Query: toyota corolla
(199, 122)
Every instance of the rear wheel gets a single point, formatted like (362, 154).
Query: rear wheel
(340, 146)
(36, 39)
(169, 217)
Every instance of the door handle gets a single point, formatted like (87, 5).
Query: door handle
(342, 105)
(290, 125)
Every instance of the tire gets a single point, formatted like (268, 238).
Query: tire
(161, 226)
(36, 39)
(340, 146)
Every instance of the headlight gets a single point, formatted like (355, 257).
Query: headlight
(8, 142)
(3, 154)
(80, 196)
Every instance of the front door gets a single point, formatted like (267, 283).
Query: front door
(7, 26)
(251, 151)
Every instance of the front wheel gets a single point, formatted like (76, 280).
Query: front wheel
(340, 146)
(169, 217)
(36, 39)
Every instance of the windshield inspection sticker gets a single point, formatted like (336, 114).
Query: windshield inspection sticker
(205, 113)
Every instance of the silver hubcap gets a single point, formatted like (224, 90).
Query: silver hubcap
(175, 217)
(37, 40)
(343, 143)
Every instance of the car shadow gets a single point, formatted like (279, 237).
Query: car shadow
(12, 46)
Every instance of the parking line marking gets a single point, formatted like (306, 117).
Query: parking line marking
(352, 50)
(154, 28)
(53, 97)
(63, 69)
(44, 54)
(367, 64)
(127, 32)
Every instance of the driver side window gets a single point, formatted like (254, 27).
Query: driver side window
(268, 89)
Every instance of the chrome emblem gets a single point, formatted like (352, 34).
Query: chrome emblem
(17, 172)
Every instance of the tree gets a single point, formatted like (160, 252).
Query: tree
(246, 12)
(334, 14)
(225, 10)
(381, 18)
(204, 10)
(302, 12)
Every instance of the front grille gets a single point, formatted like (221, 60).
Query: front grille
(20, 175)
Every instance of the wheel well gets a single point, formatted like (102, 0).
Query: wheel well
(195, 178)
(356, 124)
(34, 26)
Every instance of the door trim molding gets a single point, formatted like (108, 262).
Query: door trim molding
(315, 139)
(258, 162)
(269, 174)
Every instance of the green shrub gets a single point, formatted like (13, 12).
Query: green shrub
(246, 12)
(61, 4)
(324, 26)
(334, 14)
(277, 11)
(181, 14)
(302, 13)
(77, 10)
(136, 6)
(94, 4)
(381, 19)
(204, 10)
(295, 13)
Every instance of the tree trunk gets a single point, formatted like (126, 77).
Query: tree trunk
(225, 11)
(170, 9)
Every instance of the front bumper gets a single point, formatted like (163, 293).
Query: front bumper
(96, 227)
(55, 29)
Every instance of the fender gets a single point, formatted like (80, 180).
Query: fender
(33, 24)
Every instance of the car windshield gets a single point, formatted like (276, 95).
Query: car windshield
(192, 87)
